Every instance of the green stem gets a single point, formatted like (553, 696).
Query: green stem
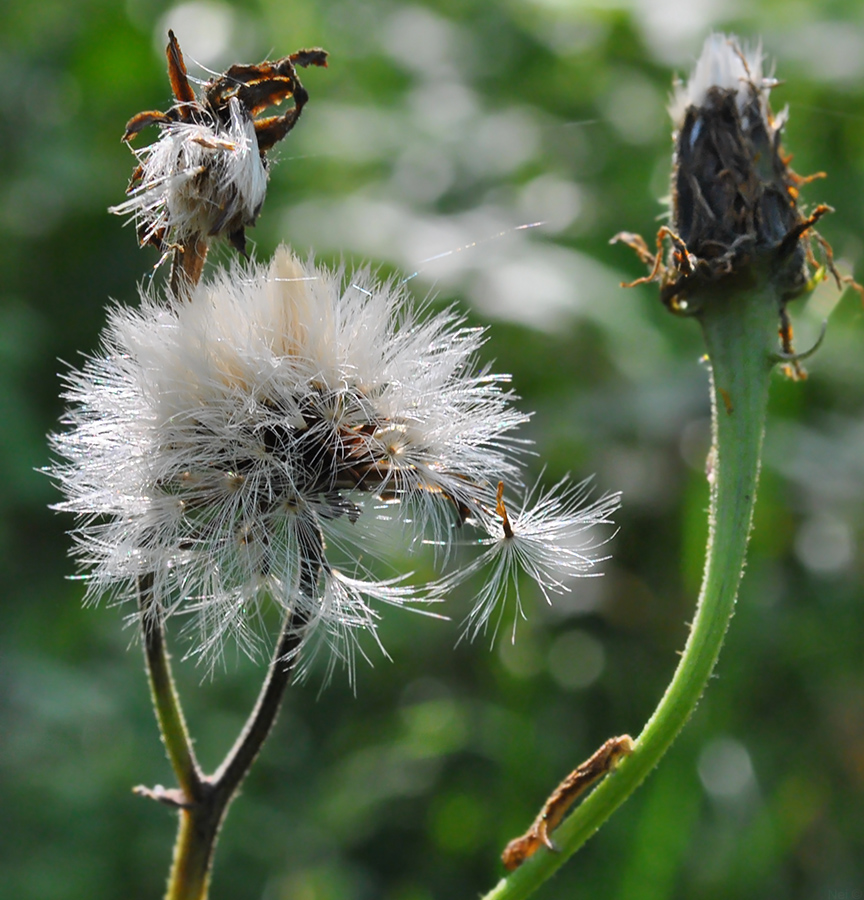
(202, 801)
(163, 692)
(193, 852)
(201, 817)
(741, 333)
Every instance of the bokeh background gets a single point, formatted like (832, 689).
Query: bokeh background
(438, 132)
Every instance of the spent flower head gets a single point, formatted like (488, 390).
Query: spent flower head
(233, 449)
(206, 175)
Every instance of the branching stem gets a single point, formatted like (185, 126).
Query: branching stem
(202, 801)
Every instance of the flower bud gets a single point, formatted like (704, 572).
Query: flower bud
(734, 197)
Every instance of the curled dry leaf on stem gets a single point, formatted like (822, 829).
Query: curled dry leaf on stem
(601, 763)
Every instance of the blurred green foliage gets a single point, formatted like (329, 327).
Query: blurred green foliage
(439, 128)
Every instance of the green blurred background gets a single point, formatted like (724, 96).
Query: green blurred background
(439, 128)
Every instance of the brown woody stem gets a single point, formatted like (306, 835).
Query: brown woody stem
(187, 266)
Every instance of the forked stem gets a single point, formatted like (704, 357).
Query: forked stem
(203, 801)
(740, 328)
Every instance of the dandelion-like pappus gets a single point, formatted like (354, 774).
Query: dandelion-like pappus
(221, 446)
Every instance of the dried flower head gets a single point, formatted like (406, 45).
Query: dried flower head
(206, 176)
(233, 449)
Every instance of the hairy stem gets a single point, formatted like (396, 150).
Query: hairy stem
(740, 329)
(163, 692)
(203, 800)
(189, 878)
(201, 822)
(248, 744)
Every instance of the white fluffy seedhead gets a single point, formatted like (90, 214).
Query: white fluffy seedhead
(230, 448)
